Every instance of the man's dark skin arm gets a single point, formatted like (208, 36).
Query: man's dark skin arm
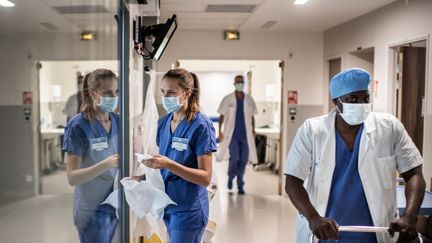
(323, 228)
(414, 193)
(221, 135)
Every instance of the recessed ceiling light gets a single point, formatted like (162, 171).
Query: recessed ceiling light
(6, 3)
(300, 2)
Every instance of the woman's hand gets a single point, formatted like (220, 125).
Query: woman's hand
(158, 162)
(112, 161)
(221, 137)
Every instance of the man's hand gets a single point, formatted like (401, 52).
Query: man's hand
(221, 137)
(324, 228)
(406, 226)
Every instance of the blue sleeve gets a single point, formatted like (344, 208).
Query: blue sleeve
(159, 128)
(74, 141)
(205, 139)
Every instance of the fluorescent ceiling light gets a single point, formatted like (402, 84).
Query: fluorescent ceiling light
(300, 2)
(6, 3)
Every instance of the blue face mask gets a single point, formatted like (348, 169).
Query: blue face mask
(108, 104)
(171, 104)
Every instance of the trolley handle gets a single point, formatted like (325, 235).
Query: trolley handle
(362, 229)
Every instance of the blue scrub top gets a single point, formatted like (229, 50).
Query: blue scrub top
(240, 124)
(198, 137)
(347, 201)
(82, 138)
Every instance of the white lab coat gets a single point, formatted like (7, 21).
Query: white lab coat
(385, 148)
(228, 108)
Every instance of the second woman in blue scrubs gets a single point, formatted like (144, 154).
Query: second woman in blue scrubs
(186, 140)
(91, 146)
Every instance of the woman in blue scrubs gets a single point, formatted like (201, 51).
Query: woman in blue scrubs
(91, 146)
(186, 140)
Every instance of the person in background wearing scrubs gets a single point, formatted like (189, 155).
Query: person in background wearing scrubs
(91, 146)
(237, 137)
(72, 107)
(341, 169)
(186, 140)
(74, 102)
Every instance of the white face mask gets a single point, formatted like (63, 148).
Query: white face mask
(355, 113)
(239, 87)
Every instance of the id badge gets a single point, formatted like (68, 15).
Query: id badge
(179, 144)
(99, 144)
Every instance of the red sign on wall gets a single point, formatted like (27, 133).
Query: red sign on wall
(292, 97)
(27, 98)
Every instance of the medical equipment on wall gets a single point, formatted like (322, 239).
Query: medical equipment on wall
(159, 35)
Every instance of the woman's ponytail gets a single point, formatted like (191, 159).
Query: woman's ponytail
(87, 101)
(193, 101)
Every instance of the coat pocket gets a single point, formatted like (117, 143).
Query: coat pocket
(387, 169)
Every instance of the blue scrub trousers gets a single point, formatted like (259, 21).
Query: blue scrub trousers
(101, 227)
(239, 156)
(183, 235)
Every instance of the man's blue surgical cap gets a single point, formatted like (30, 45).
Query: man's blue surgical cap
(349, 81)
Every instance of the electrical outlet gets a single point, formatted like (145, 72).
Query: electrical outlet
(29, 178)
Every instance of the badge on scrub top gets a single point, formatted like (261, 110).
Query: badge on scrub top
(179, 144)
(99, 144)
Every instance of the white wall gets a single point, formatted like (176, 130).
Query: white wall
(217, 78)
(392, 25)
(214, 87)
(303, 71)
(264, 72)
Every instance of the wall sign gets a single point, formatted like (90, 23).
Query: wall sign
(27, 98)
(292, 97)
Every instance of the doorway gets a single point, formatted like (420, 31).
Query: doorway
(410, 77)
(263, 81)
(335, 66)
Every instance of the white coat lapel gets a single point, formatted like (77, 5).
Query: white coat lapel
(327, 162)
(369, 127)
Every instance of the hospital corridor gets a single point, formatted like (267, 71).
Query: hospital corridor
(215, 121)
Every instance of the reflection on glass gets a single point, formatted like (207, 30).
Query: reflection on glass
(42, 59)
(91, 146)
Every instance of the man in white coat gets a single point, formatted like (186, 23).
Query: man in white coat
(341, 169)
(236, 133)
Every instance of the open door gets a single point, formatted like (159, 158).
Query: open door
(410, 100)
(335, 67)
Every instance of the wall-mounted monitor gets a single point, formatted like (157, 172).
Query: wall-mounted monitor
(161, 35)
